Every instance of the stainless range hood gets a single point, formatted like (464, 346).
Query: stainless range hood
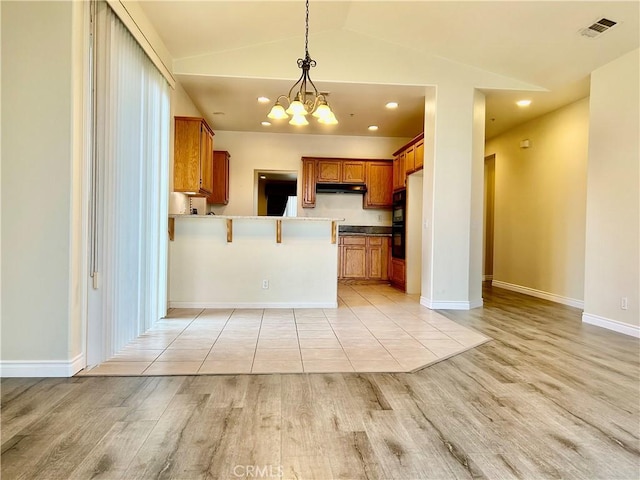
(341, 188)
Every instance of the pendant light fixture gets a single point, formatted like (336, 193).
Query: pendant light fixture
(300, 102)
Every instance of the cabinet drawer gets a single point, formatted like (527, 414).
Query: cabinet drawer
(349, 240)
(375, 241)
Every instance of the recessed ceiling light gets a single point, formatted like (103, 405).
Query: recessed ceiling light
(263, 100)
(392, 105)
(523, 103)
(265, 124)
(373, 128)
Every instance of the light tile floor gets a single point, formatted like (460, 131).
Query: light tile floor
(375, 328)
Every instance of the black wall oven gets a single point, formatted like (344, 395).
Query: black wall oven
(398, 224)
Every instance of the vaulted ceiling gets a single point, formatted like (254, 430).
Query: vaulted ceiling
(227, 53)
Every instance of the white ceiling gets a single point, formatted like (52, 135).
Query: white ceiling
(534, 42)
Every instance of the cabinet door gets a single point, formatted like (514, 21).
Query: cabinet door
(353, 257)
(220, 194)
(374, 258)
(399, 172)
(308, 183)
(379, 185)
(206, 160)
(410, 159)
(186, 153)
(398, 273)
(329, 171)
(354, 260)
(385, 256)
(396, 161)
(353, 172)
(419, 154)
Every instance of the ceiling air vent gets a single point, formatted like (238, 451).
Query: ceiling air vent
(597, 28)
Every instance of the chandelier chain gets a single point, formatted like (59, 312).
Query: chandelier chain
(301, 101)
(306, 32)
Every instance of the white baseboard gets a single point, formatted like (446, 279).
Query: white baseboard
(449, 305)
(616, 326)
(572, 302)
(251, 305)
(41, 368)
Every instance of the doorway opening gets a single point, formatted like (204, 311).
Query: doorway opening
(276, 193)
(413, 232)
(489, 207)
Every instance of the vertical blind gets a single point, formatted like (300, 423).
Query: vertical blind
(130, 190)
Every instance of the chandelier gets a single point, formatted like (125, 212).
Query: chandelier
(300, 101)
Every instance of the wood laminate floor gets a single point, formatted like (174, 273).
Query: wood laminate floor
(548, 398)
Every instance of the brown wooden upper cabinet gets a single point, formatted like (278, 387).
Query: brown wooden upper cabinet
(399, 172)
(377, 175)
(193, 156)
(420, 154)
(220, 194)
(308, 182)
(408, 159)
(379, 184)
(340, 171)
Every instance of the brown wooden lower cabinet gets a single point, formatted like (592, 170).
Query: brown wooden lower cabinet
(363, 258)
(397, 273)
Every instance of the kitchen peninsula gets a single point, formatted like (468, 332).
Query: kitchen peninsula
(220, 261)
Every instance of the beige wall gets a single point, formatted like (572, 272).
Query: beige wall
(540, 203)
(613, 211)
(39, 145)
(269, 152)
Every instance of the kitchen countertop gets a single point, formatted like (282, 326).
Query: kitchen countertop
(364, 230)
(253, 217)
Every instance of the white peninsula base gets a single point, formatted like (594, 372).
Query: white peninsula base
(237, 262)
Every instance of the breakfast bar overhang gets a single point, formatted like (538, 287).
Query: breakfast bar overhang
(220, 261)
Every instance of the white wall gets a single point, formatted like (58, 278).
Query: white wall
(451, 184)
(539, 211)
(612, 262)
(39, 156)
(267, 151)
